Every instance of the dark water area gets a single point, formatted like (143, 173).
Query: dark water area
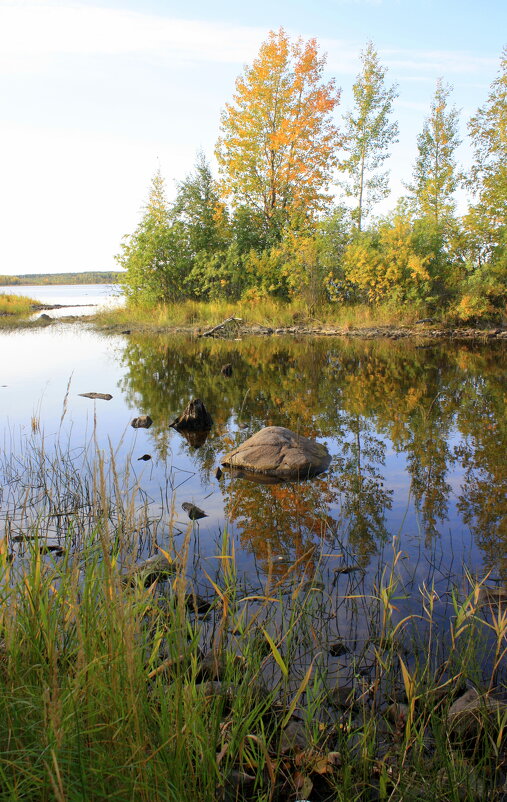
(417, 434)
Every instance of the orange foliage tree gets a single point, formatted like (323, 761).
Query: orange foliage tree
(277, 149)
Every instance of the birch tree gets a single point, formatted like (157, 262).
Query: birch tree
(369, 133)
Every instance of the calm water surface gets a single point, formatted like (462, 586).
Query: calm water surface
(77, 299)
(418, 437)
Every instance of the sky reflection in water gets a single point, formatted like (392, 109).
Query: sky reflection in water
(418, 438)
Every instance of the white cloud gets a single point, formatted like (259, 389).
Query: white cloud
(440, 62)
(40, 30)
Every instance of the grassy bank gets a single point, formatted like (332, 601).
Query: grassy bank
(120, 680)
(267, 312)
(15, 306)
(15, 309)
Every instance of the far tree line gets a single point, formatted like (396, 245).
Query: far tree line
(269, 224)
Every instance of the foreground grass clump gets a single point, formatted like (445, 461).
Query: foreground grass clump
(121, 680)
(15, 305)
(265, 311)
(116, 689)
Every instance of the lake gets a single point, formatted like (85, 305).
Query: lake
(417, 433)
(76, 299)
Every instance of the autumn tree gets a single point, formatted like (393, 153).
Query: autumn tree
(369, 132)
(278, 141)
(386, 266)
(435, 176)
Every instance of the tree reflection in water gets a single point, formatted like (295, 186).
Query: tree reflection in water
(440, 410)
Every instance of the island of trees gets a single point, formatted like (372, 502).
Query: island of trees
(37, 279)
(271, 224)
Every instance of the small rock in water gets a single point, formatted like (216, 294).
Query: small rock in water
(154, 568)
(490, 595)
(343, 696)
(58, 551)
(219, 473)
(194, 418)
(144, 458)
(193, 512)
(338, 649)
(313, 584)
(45, 317)
(347, 569)
(103, 396)
(142, 422)
(474, 715)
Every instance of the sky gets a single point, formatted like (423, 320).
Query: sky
(96, 96)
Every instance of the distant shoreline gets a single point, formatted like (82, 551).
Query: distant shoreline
(48, 279)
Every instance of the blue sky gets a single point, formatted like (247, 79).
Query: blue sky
(97, 95)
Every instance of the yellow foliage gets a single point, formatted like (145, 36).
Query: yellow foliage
(278, 145)
(387, 266)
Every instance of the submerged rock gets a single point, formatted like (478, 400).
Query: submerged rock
(193, 512)
(194, 418)
(142, 422)
(103, 396)
(156, 567)
(474, 715)
(279, 453)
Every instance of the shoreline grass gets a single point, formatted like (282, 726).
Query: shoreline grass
(120, 686)
(17, 305)
(15, 310)
(266, 312)
(275, 314)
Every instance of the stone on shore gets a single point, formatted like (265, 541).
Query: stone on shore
(279, 453)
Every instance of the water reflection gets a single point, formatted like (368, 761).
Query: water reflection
(394, 415)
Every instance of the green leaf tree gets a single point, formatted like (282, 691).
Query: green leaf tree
(152, 257)
(435, 176)
(487, 220)
(199, 208)
(203, 220)
(369, 133)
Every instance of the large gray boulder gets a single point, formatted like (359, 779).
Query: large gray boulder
(279, 453)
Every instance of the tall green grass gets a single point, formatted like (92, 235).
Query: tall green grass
(266, 312)
(118, 686)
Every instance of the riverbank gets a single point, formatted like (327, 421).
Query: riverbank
(242, 328)
(271, 318)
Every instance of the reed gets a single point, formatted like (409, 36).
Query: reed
(117, 686)
(265, 311)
